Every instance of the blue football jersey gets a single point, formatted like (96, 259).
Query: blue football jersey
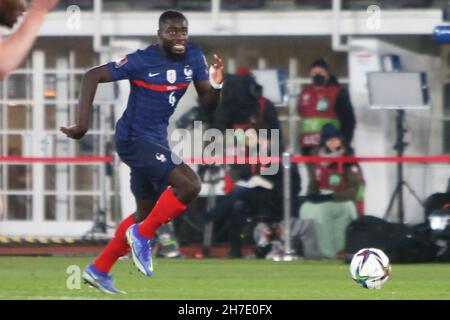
(157, 85)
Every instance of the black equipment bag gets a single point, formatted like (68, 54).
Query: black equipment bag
(400, 242)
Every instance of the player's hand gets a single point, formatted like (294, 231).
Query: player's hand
(43, 5)
(217, 69)
(74, 132)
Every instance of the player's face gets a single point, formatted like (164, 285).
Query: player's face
(10, 11)
(173, 37)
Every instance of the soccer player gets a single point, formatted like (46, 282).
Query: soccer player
(14, 49)
(162, 185)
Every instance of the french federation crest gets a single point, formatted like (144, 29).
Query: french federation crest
(187, 72)
(171, 76)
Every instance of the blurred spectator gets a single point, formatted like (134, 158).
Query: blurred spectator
(248, 193)
(325, 101)
(196, 113)
(333, 190)
(253, 195)
(243, 105)
(14, 49)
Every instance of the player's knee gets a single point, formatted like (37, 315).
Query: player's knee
(194, 189)
(191, 190)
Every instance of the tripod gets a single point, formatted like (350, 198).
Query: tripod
(400, 146)
(99, 224)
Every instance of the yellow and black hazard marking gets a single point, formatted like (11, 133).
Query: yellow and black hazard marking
(39, 240)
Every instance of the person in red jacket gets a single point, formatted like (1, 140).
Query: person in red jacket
(324, 101)
(335, 193)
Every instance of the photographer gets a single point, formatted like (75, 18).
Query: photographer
(333, 190)
(255, 196)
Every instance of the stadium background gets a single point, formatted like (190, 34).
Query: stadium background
(60, 199)
(48, 200)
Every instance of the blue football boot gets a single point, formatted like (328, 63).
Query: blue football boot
(140, 250)
(100, 280)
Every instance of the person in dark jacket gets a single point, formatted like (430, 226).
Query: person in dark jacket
(243, 104)
(253, 195)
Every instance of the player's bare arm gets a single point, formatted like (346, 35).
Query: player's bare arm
(14, 49)
(89, 85)
(209, 96)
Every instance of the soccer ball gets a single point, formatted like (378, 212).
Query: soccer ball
(370, 268)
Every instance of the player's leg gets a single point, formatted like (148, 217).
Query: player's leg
(184, 187)
(116, 247)
(143, 208)
(96, 274)
(154, 166)
(185, 182)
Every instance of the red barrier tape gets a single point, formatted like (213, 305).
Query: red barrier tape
(240, 160)
(427, 159)
(57, 159)
(302, 159)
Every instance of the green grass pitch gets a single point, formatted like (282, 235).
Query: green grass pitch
(47, 278)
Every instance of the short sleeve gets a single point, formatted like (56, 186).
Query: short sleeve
(201, 69)
(124, 68)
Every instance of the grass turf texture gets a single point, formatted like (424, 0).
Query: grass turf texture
(46, 278)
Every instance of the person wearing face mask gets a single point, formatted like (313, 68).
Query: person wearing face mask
(324, 101)
(335, 193)
(14, 48)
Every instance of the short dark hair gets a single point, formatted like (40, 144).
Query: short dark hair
(170, 14)
(329, 131)
(321, 63)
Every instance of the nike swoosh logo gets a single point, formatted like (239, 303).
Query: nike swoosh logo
(151, 75)
(130, 238)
